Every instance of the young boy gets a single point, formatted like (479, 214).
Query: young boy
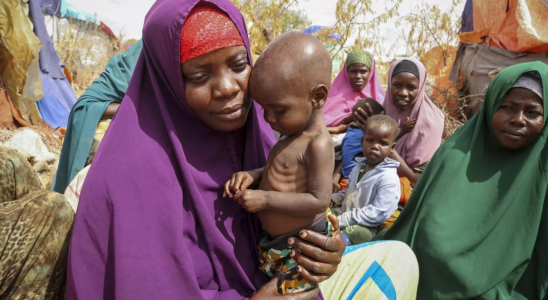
(290, 80)
(351, 144)
(373, 189)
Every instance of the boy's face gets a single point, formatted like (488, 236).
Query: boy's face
(377, 142)
(216, 87)
(519, 120)
(286, 111)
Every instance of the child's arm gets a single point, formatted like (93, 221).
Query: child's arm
(379, 210)
(319, 160)
(337, 175)
(241, 181)
(404, 170)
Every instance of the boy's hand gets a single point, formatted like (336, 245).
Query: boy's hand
(408, 125)
(239, 182)
(251, 200)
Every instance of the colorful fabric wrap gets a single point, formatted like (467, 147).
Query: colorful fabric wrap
(207, 29)
(378, 270)
(359, 57)
(274, 255)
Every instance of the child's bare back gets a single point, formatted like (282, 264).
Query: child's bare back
(291, 169)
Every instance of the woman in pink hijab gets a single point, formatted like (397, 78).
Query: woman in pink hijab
(421, 121)
(356, 81)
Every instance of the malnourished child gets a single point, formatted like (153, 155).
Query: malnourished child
(290, 80)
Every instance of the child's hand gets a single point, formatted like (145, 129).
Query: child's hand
(408, 125)
(239, 182)
(251, 200)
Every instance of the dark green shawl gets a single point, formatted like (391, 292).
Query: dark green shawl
(477, 219)
(84, 117)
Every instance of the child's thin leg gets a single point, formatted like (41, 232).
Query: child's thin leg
(358, 234)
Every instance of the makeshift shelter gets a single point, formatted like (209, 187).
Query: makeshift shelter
(62, 9)
(19, 76)
(59, 97)
(496, 34)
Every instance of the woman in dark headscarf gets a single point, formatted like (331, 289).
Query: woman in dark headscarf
(478, 218)
(34, 233)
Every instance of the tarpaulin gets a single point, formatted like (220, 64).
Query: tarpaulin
(18, 47)
(468, 17)
(477, 60)
(518, 25)
(58, 100)
(51, 7)
(10, 116)
(49, 60)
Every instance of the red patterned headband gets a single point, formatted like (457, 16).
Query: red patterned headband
(207, 29)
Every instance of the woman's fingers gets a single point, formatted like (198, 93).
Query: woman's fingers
(335, 222)
(311, 277)
(315, 271)
(227, 190)
(369, 110)
(237, 182)
(324, 250)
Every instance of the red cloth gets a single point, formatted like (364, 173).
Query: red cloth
(207, 29)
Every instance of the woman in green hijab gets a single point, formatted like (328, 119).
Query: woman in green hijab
(101, 100)
(477, 219)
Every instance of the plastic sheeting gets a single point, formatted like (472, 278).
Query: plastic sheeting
(58, 97)
(58, 100)
(10, 116)
(477, 60)
(29, 143)
(49, 60)
(518, 25)
(18, 47)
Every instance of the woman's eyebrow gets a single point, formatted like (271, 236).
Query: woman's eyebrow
(199, 65)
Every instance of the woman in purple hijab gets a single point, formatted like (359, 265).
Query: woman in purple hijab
(152, 222)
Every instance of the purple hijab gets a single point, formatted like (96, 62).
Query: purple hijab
(152, 222)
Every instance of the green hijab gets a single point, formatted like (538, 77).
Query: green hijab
(84, 117)
(359, 57)
(477, 219)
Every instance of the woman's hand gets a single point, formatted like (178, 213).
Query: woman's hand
(319, 254)
(269, 291)
(361, 115)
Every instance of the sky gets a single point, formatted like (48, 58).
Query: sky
(127, 16)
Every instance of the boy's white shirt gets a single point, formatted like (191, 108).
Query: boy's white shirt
(374, 199)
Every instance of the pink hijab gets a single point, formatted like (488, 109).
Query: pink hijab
(342, 97)
(418, 146)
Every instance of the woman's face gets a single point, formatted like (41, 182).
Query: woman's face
(519, 119)
(358, 74)
(404, 90)
(216, 87)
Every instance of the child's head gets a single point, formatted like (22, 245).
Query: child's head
(520, 118)
(376, 107)
(291, 80)
(379, 138)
